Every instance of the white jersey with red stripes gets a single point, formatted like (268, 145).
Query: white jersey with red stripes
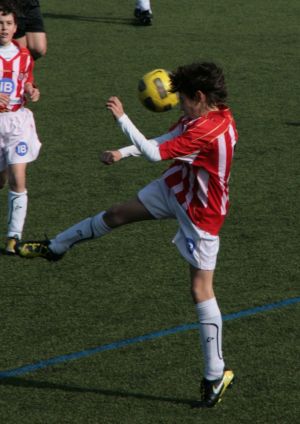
(15, 72)
(200, 174)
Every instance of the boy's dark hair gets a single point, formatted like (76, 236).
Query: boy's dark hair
(8, 7)
(204, 76)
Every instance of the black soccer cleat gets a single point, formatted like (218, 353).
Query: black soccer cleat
(37, 249)
(212, 391)
(137, 13)
(144, 17)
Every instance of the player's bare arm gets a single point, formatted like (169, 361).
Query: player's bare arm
(32, 92)
(111, 156)
(115, 106)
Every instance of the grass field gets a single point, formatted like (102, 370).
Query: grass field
(134, 282)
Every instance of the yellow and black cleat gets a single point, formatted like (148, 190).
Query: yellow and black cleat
(10, 246)
(37, 249)
(212, 391)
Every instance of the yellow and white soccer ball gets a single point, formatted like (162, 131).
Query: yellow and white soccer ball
(153, 91)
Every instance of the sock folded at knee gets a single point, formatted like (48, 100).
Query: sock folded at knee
(84, 230)
(17, 210)
(100, 228)
(210, 330)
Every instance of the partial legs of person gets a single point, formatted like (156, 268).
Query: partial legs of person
(17, 203)
(143, 12)
(31, 30)
(216, 377)
(90, 228)
(36, 42)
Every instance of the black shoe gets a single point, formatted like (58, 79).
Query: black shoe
(144, 17)
(212, 391)
(137, 13)
(37, 249)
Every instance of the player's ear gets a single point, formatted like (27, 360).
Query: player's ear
(200, 96)
(15, 26)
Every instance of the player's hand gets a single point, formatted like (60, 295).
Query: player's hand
(4, 100)
(115, 106)
(32, 92)
(110, 157)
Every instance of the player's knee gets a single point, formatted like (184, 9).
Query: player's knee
(42, 50)
(38, 52)
(114, 216)
(202, 288)
(37, 46)
(199, 294)
(196, 293)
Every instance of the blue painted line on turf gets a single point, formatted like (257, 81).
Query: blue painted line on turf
(122, 343)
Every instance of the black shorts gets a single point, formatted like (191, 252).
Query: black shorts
(30, 19)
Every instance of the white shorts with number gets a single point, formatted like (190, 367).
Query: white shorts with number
(19, 142)
(198, 247)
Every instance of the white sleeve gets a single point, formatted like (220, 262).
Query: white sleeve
(149, 148)
(130, 151)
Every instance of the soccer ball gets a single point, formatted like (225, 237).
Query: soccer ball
(153, 91)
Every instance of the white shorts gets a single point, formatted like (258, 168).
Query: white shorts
(19, 142)
(198, 247)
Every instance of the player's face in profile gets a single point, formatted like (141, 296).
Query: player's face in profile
(7, 28)
(189, 106)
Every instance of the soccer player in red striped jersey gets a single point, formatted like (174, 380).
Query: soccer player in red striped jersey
(194, 190)
(19, 143)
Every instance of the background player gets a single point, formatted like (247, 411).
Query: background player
(31, 31)
(143, 12)
(19, 143)
(194, 190)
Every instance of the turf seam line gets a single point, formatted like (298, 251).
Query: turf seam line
(150, 336)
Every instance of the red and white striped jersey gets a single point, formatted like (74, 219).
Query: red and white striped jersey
(14, 74)
(200, 174)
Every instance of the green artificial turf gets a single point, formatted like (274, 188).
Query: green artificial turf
(133, 281)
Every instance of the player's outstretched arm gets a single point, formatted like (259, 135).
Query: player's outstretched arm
(148, 149)
(111, 156)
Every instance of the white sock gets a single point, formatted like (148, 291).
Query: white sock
(17, 209)
(143, 4)
(87, 229)
(210, 329)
